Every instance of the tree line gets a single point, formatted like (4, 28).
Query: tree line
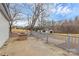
(67, 26)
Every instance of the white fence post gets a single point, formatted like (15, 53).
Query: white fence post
(75, 43)
(47, 37)
(69, 41)
(78, 44)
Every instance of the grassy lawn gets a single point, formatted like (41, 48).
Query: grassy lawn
(64, 36)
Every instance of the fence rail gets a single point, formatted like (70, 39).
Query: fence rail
(68, 41)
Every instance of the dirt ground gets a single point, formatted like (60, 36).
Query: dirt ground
(31, 47)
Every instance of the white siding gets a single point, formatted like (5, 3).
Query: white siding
(4, 30)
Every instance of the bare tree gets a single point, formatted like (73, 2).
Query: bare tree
(41, 15)
(36, 13)
(44, 20)
(39, 12)
(13, 14)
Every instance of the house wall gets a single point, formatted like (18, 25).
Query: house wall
(4, 29)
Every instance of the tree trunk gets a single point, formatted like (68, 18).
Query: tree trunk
(10, 29)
